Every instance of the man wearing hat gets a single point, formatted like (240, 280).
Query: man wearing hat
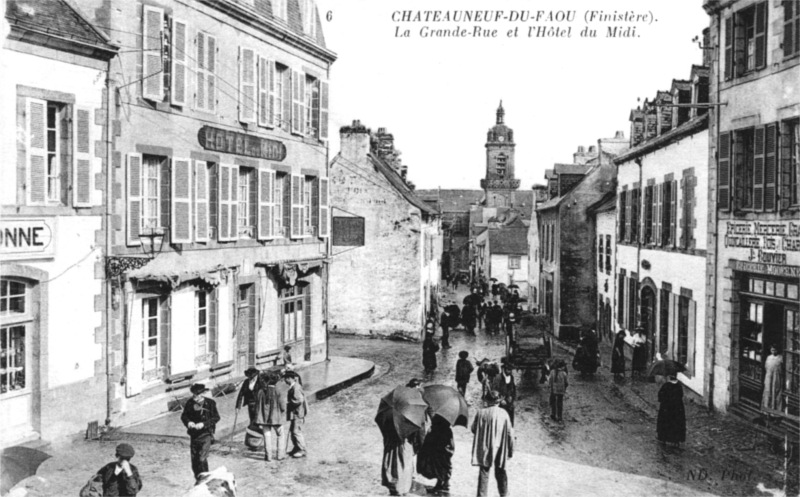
(247, 394)
(120, 477)
(493, 444)
(200, 417)
(296, 410)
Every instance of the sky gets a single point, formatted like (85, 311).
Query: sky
(438, 96)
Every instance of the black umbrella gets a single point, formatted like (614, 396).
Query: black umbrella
(401, 412)
(446, 402)
(18, 463)
(666, 367)
(513, 285)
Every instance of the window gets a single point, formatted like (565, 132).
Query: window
(312, 106)
(608, 254)
(649, 209)
(280, 204)
(789, 161)
(293, 301)
(746, 41)
(201, 300)
(12, 298)
(683, 330)
(792, 357)
(748, 169)
(151, 346)
(12, 361)
(600, 252)
(514, 262)
(243, 212)
(622, 212)
(282, 86)
(687, 221)
(309, 18)
(53, 155)
(151, 194)
(791, 28)
(206, 81)
(502, 161)
(279, 9)
(668, 213)
(308, 187)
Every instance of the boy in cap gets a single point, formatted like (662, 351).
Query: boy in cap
(200, 416)
(120, 477)
(296, 410)
(463, 371)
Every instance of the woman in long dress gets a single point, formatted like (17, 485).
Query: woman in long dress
(618, 355)
(639, 362)
(435, 456)
(429, 350)
(773, 381)
(671, 423)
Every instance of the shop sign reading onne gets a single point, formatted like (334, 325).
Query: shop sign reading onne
(233, 142)
(27, 238)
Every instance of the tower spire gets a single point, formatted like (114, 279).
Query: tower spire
(500, 113)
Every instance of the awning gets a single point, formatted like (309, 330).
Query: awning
(174, 268)
(289, 270)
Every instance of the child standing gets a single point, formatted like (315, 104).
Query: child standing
(558, 387)
(463, 371)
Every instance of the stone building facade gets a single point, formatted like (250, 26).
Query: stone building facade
(218, 181)
(754, 215)
(53, 346)
(390, 284)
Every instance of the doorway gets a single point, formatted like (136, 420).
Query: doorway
(245, 328)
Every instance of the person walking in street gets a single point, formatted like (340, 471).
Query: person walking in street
(639, 362)
(120, 478)
(435, 457)
(505, 385)
(773, 381)
(429, 350)
(496, 313)
(671, 422)
(469, 316)
(200, 417)
(270, 416)
(247, 394)
(463, 372)
(296, 410)
(445, 322)
(493, 444)
(397, 467)
(618, 355)
(558, 387)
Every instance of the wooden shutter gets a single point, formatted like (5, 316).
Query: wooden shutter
(247, 85)
(201, 80)
(134, 211)
(758, 170)
(225, 314)
(628, 198)
(201, 214)
(298, 94)
(181, 217)
(658, 192)
(234, 202)
(223, 205)
(297, 206)
(323, 110)
(315, 205)
(728, 47)
(264, 85)
(770, 167)
(211, 77)
(739, 47)
(206, 96)
(152, 63)
(82, 180)
(724, 172)
(179, 71)
(761, 35)
(272, 74)
(315, 109)
(133, 347)
(36, 181)
(789, 136)
(182, 331)
(323, 229)
(266, 204)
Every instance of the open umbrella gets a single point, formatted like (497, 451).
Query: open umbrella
(513, 285)
(18, 463)
(447, 403)
(666, 367)
(492, 279)
(401, 412)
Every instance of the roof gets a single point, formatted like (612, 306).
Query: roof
(606, 204)
(550, 203)
(512, 241)
(397, 182)
(549, 173)
(452, 200)
(55, 18)
(571, 168)
(688, 128)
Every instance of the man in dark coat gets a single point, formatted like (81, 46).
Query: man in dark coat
(200, 417)
(120, 478)
(247, 394)
(671, 423)
(505, 385)
(435, 456)
(446, 321)
(496, 314)
(469, 317)
(429, 350)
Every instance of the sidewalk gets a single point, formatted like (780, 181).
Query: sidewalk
(320, 380)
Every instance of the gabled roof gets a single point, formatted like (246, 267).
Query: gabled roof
(452, 200)
(55, 18)
(508, 240)
(397, 182)
(550, 203)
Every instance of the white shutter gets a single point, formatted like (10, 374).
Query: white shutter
(234, 202)
(152, 63)
(264, 85)
(272, 73)
(323, 110)
(134, 211)
(298, 94)
(133, 347)
(82, 172)
(182, 332)
(201, 217)
(179, 73)
(211, 68)
(36, 181)
(297, 206)
(224, 324)
(324, 209)
(201, 80)
(181, 216)
(266, 189)
(247, 85)
(224, 206)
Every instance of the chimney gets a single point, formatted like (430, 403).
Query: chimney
(620, 135)
(355, 141)
(592, 149)
(581, 149)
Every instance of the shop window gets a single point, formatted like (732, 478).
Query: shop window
(13, 367)
(293, 302)
(514, 262)
(202, 308)
(792, 359)
(151, 346)
(791, 28)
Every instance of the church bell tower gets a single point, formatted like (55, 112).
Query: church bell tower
(499, 184)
